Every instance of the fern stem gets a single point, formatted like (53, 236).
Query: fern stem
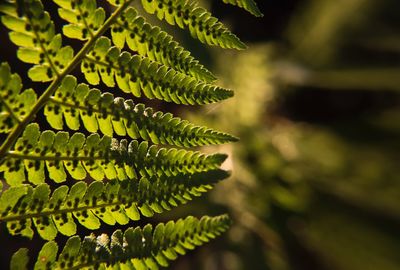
(44, 98)
(60, 211)
(54, 100)
(10, 110)
(17, 155)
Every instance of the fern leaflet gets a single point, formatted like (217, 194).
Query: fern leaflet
(84, 17)
(20, 259)
(248, 5)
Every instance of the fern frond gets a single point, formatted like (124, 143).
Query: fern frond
(201, 24)
(136, 74)
(108, 114)
(156, 44)
(14, 104)
(136, 248)
(248, 5)
(115, 202)
(84, 18)
(34, 34)
(99, 157)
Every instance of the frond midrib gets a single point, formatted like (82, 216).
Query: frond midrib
(10, 110)
(140, 199)
(14, 154)
(57, 212)
(154, 250)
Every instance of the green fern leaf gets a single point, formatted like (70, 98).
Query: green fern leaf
(136, 74)
(99, 157)
(84, 18)
(248, 5)
(108, 114)
(47, 256)
(34, 33)
(136, 248)
(14, 105)
(20, 260)
(8, 200)
(115, 202)
(201, 24)
(156, 44)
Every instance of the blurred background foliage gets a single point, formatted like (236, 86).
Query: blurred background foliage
(315, 180)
